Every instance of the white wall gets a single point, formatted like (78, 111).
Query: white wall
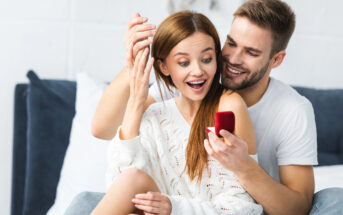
(58, 38)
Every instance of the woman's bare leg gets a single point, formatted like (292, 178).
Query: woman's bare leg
(117, 200)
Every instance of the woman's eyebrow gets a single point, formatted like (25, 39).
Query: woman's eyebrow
(207, 49)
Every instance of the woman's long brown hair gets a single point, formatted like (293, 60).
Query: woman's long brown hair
(171, 31)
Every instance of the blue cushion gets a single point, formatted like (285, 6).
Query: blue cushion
(328, 109)
(50, 110)
(19, 150)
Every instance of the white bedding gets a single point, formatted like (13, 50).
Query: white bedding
(328, 176)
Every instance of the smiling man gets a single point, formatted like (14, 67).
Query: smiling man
(282, 181)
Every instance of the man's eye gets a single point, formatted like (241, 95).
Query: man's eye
(184, 64)
(207, 60)
(231, 44)
(252, 54)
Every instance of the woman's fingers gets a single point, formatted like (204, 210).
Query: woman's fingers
(128, 58)
(153, 202)
(148, 209)
(134, 70)
(147, 71)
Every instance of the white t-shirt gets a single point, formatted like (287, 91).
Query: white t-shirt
(160, 152)
(285, 127)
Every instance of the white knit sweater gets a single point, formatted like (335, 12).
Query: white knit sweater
(160, 152)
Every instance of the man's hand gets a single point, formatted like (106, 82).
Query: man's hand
(138, 33)
(231, 151)
(153, 203)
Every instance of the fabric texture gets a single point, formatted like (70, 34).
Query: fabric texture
(328, 202)
(84, 203)
(285, 129)
(160, 152)
(85, 160)
(284, 125)
(325, 202)
(164, 94)
(49, 117)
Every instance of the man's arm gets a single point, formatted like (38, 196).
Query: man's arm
(111, 108)
(292, 196)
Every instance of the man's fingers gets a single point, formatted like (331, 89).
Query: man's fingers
(208, 147)
(217, 144)
(136, 21)
(230, 138)
(143, 27)
(138, 36)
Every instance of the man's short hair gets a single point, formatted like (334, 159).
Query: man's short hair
(271, 14)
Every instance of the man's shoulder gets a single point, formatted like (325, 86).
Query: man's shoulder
(285, 97)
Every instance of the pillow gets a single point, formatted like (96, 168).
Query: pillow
(84, 165)
(49, 118)
(328, 176)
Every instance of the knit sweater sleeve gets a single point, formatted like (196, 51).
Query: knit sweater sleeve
(136, 153)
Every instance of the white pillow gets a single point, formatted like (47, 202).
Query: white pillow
(84, 164)
(328, 176)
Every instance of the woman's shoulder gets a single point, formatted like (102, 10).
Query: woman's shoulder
(159, 108)
(231, 100)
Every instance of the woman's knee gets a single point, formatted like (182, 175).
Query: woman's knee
(138, 179)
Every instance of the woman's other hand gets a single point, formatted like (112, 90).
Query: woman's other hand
(153, 203)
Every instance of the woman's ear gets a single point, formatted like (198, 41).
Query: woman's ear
(163, 68)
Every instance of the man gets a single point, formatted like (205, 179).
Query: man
(283, 182)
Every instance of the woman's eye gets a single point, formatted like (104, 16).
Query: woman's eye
(207, 60)
(183, 64)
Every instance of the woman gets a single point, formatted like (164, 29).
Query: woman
(157, 161)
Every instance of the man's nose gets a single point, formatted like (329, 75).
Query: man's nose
(235, 57)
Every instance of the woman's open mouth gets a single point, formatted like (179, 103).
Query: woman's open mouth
(196, 84)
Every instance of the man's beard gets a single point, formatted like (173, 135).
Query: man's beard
(247, 82)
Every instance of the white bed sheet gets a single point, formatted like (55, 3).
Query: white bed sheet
(328, 176)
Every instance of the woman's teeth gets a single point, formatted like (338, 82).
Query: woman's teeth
(196, 84)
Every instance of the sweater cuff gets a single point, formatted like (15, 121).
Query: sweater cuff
(127, 145)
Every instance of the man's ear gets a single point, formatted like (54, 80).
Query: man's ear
(278, 58)
(163, 68)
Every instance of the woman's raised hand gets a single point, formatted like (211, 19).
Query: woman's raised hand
(139, 73)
